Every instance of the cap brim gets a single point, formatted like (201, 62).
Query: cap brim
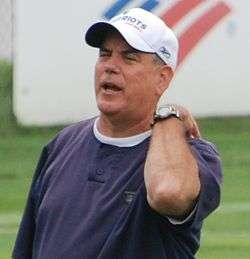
(96, 34)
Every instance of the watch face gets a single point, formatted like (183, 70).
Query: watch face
(167, 110)
(164, 111)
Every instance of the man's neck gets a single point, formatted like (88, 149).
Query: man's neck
(121, 128)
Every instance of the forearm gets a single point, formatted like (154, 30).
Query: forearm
(171, 172)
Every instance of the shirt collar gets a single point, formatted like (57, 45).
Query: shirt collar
(121, 142)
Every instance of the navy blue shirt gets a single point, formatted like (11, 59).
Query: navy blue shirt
(88, 201)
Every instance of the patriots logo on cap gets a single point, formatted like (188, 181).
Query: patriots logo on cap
(165, 52)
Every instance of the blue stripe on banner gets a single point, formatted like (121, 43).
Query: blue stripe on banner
(115, 8)
(149, 5)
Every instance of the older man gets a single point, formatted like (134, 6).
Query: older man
(135, 182)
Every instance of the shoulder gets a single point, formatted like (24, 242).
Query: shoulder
(70, 135)
(76, 129)
(207, 154)
(203, 145)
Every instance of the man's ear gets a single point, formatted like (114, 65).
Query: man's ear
(165, 77)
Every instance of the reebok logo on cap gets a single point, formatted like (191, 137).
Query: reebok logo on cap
(164, 52)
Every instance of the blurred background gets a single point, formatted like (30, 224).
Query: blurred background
(46, 82)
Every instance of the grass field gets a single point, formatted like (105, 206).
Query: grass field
(226, 233)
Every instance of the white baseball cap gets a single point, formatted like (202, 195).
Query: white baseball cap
(142, 30)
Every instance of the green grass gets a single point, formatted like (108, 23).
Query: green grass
(6, 117)
(226, 233)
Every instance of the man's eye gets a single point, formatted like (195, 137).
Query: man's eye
(103, 54)
(131, 57)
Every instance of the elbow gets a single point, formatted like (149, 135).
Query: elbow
(170, 199)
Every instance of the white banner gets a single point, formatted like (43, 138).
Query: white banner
(53, 82)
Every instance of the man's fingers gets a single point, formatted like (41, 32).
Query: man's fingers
(195, 130)
(190, 124)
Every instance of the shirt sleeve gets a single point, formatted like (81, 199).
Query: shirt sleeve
(176, 221)
(210, 174)
(24, 241)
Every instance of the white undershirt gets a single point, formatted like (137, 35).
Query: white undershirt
(121, 142)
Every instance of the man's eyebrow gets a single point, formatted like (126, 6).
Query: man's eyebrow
(131, 51)
(103, 48)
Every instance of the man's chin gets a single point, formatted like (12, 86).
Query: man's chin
(109, 110)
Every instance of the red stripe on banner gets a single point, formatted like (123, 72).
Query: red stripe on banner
(190, 38)
(179, 10)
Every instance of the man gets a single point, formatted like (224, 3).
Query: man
(131, 183)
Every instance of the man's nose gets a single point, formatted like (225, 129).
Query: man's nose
(112, 66)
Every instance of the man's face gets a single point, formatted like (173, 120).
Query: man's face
(125, 80)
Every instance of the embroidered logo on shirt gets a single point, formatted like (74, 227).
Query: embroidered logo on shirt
(128, 196)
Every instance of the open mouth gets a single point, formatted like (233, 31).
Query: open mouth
(110, 87)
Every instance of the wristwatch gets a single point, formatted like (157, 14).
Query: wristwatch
(165, 111)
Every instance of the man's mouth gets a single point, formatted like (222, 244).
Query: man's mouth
(110, 87)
